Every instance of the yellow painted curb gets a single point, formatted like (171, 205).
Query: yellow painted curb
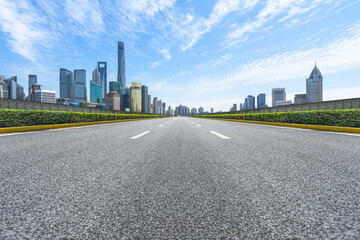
(295, 125)
(63, 125)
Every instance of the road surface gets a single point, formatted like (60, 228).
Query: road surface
(179, 178)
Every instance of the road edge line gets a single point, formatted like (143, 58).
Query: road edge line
(62, 125)
(296, 125)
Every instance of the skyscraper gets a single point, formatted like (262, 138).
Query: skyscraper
(121, 77)
(66, 84)
(149, 104)
(155, 106)
(250, 102)
(144, 99)
(15, 90)
(80, 94)
(95, 92)
(32, 80)
(135, 97)
(96, 76)
(261, 101)
(102, 68)
(114, 86)
(314, 86)
(278, 94)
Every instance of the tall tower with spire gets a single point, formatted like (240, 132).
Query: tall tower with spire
(314, 86)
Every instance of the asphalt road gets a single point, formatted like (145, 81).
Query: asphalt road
(179, 178)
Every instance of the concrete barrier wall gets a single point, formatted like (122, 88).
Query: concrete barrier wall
(29, 105)
(353, 103)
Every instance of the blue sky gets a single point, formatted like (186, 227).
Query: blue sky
(209, 53)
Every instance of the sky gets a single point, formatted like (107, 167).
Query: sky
(209, 53)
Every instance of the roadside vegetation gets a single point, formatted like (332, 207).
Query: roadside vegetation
(342, 118)
(18, 118)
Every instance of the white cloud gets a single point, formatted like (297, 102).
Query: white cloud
(156, 64)
(272, 9)
(165, 53)
(221, 9)
(23, 24)
(87, 13)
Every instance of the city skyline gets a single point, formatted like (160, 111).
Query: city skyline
(226, 52)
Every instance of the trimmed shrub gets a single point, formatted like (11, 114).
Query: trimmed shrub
(342, 118)
(18, 118)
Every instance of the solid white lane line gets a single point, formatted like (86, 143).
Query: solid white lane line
(341, 133)
(219, 135)
(166, 122)
(198, 125)
(140, 135)
(161, 125)
(192, 122)
(19, 133)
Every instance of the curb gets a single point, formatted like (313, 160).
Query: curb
(63, 125)
(296, 125)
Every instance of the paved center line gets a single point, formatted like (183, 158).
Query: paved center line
(140, 135)
(219, 135)
(166, 122)
(198, 125)
(161, 125)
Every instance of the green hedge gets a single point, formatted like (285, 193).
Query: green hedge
(344, 118)
(17, 118)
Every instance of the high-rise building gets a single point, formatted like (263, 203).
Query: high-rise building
(80, 94)
(4, 93)
(193, 111)
(261, 101)
(201, 110)
(45, 96)
(164, 108)
(15, 90)
(212, 110)
(96, 76)
(113, 100)
(135, 97)
(102, 68)
(2, 77)
(250, 102)
(234, 107)
(160, 107)
(32, 80)
(121, 77)
(314, 86)
(155, 106)
(144, 99)
(127, 99)
(95, 93)
(278, 94)
(114, 86)
(149, 104)
(66, 84)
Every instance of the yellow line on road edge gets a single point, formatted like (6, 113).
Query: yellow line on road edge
(64, 125)
(295, 125)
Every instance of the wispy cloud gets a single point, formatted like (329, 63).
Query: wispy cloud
(24, 26)
(221, 9)
(216, 62)
(272, 9)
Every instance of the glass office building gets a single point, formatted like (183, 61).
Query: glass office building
(102, 67)
(95, 93)
(66, 84)
(144, 99)
(261, 101)
(32, 80)
(121, 77)
(80, 85)
(314, 86)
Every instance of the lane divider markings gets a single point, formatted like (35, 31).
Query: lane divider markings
(161, 125)
(219, 135)
(198, 125)
(140, 135)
